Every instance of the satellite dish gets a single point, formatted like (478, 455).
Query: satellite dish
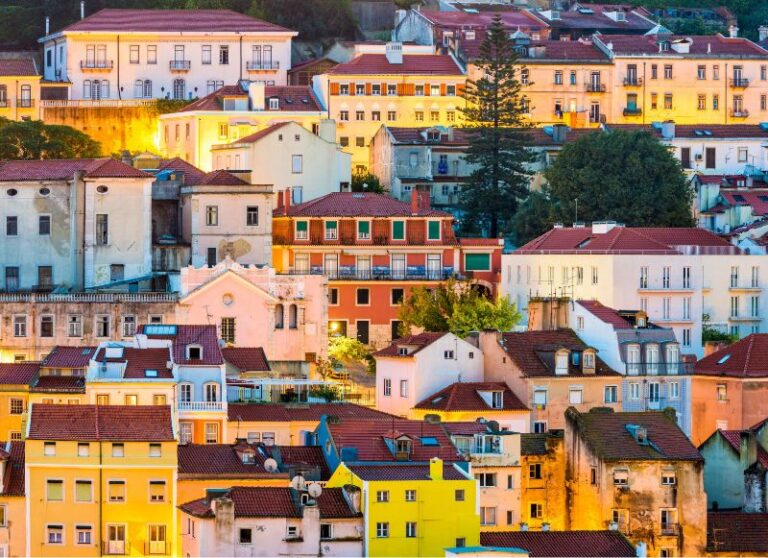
(315, 490)
(297, 482)
(270, 465)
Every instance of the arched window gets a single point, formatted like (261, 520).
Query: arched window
(138, 90)
(87, 89)
(279, 316)
(179, 88)
(105, 89)
(293, 316)
(147, 88)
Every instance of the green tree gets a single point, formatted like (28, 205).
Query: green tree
(458, 308)
(313, 19)
(498, 139)
(36, 140)
(367, 182)
(346, 348)
(624, 176)
(533, 217)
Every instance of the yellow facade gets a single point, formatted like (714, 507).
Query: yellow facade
(14, 402)
(543, 494)
(502, 417)
(57, 398)
(443, 512)
(127, 504)
(21, 99)
(290, 433)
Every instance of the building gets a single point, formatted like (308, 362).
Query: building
(543, 494)
(290, 157)
(675, 275)
(263, 521)
(549, 371)
(401, 504)
(303, 72)
(19, 89)
(733, 533)
(639, 473)
(735, 468)
(389, 86)
(584, 20)
(15, 381)
(13, 502)
(562, 543)
(232, 112)
(57, 224)
(106, 487)
(731, 205)
(372, 247)
(728, 388)
(414, 367)
(164, 54)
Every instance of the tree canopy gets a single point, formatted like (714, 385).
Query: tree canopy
(36, 140)
(367, 182)
(456, 307)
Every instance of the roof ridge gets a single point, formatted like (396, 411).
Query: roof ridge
(748, 355)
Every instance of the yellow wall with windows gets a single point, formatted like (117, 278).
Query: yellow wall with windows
(14, 525)
(12, 421)
(59, 398)
(16, 108)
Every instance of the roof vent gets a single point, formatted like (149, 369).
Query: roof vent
(639, 433)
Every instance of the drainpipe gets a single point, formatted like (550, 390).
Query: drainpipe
(725, 94)
(241, 58)
(644, 85)
(119, 92)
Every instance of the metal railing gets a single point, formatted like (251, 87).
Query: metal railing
(90, 103)
(669, 529)
(96, 64)
(644, 368)
(633, 111)
(183, 65)
(25, 103)
(377, 273)
(88, 297)
(739, 82)
(741, 113)
(596, 87)
(633, 81)
(258, 65)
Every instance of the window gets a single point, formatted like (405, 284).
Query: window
(54, 490)
(344, 115)
(734, 307)
(83, 534)
(459, 495)
(611, 394)
(83, 449)
(634, 391)
(44, 225)
(55, 534)
(701, 102)
(668, 71)
(391, 115)
(363, 230)
(245, 536)
(382, 530)
(403, 388)
(363, 297)
(17, 406)
(359, 141)
(186, 432)
(558, 77)
(157, 491)
(19, 326)
(534, 471)
(212, 433)
(116, 491)
(387, 387)
(331, 230)
(668, 101)
(701, 72)
(151, 54)
(487, 515)
(722, 392)
(252, 216)
(12, 226)
(536, 511)
(486, 480)
(410, 495)
(155, 450)
(621, 477)
(133, 54)
(540, 397)
(433, 230)
(382, 496)
(118, 449)
(49, 448)
(46, 326)
(211, 215)
(576, 396)
(224, 54)
(83, 491)
(419, 115)
(668, 477)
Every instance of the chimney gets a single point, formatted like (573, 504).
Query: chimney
(603, 227)
(327, 130)
(559, 133)
(420, 198)
(287, 198)
(436, 468)
(399, 16)
(82, 9)
(762, 33)
(125, 158)
(280, 199)
(747, 448)
(256, 93)
(668, 130)
(733, 31)
(547, 313)
(394, 53)
(47, 25)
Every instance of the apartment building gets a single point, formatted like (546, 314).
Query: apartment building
(164, 54)
(681, 276)
(19, 89)
(13, 500)
(543, 489)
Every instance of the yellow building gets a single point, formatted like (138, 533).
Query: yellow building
(414, 510)
(101, 480)
(19, 89)
(543, 494)
(61, 380)
(15, 381)
(13, 519)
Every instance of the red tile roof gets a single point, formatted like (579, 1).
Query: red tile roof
(192, 174)
(18, 373)
(204, 335)
(573, 19)
(63, 169)
(626, 240)
(221, 178)
(546, 52)
(59, 384)
(13, 483)
(512, 18)
(733, 437)
(605, 314)
(253, 138)
(69, 357)
(368, 438)
(533, 352)
(737, 532)
(138, 361)
(420, 341)
(291, 98)
(18, 67)
(272, 412)
(421, 64)
(355, 204)
(747, 358)
(466, 397)
(538, 137)
(219, 461)
(151, 423)
(300, 457)
(246, 359)
(756, 198)
(712, 45)
(566, 544)
(607, 434)
(173, 21)
(403, 472)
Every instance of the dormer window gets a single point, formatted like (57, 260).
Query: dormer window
(403, 448)
(402, 351)
(248, 458)
(575, 358)
(194, 352)
(497, 399)
(588, 365)
(561, 362)
(274, 104)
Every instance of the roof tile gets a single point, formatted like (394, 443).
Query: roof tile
(737, 532)
(377, 64)
(355, 204)
(204, 335)
(273, 412)
(18, 373)
(120, 423)
(466, 397)
(576, 544)
(747, 358)
(421, 341)
(246, 359)
(69, 357)
(17, 67)
(403, 472)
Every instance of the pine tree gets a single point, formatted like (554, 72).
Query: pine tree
(498, 139)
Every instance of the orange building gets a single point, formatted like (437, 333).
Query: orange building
(374, 249)
(729, 388)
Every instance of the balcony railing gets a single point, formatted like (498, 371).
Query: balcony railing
(33, 297)
(739, 82)
(25, 103)
(740, 113)
(596, 87)
(633, 81)
(633, 111)
(658, 368)
(255, 65)
(201, 405)
(669, 529)
(96, 64)
(351, 273)
(180, 65)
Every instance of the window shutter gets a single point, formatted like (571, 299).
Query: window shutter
(398, 230)
(301, 226)
(330, 224)
(364, 227)
(477, 262)
(434, 230)
(334, 89)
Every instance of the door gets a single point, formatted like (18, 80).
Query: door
(331, 263)
(101, 56)
(157, 539)
(685, 157)
(631, 74)
(363, 267)
(653, 395)
(595, 81)
(710, 157)
(395, 333)
(301, 264)
(434, 266)
(179, 89)
(398, 266)
(116, 539)
(362, 331)
(211, 257)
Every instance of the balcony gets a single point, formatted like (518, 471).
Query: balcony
(258, 66)
(669, 530)
(644, 368)
(204, 406)
(25, 103)
(96, 65)
(633, 111)
(739, 113)
(180, 65)
(739, 82)
(633, 81)
(596, 88)
(352, 273)
(745, 289)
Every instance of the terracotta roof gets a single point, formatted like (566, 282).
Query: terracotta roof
(13, 483)
(204, 335)
(421, 64)
(533, 352)
(604, 314)
(608, 434)
(300, 457)
(733, 437)
(465, 428)
(64, 169)
(355, 204)
(138, 361)
(119, 423)
(253, 138)
(577, 544)
(18, 373)
(708, 45)
(756, 198)
(219, 461)
(173, 21)
(221, 178)
(533, 444)
(69, 357)
(420, 341)
(402, 472)
(18, 67)
(597, 19)
(59, 384)
(291, 98)
(273, 412)
(466, 397)
(246, 359)
(747, 358)
(737, 532)
(367, 437)
(626, 240)
(546, 52)
(192, 174)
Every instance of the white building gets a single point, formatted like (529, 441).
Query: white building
(161, 54)
(289, 156)
(74, 223)
(417, 366)
(678, 276)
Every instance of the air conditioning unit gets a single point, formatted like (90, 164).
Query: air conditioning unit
(698, 156)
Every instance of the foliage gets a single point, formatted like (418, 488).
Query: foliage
(346, 348)
(696, 26)
(166, 106)
(329, 393)
(36, 140)
(533, 217)
(495, 114)
(367, 183)
(313, 19)
(458, 308)
(712, 334)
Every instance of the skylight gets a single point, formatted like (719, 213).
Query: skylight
(149, 373)
(160, 329)
(429, 441)
(724, 359)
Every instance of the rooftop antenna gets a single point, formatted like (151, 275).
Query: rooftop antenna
(576, 217)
